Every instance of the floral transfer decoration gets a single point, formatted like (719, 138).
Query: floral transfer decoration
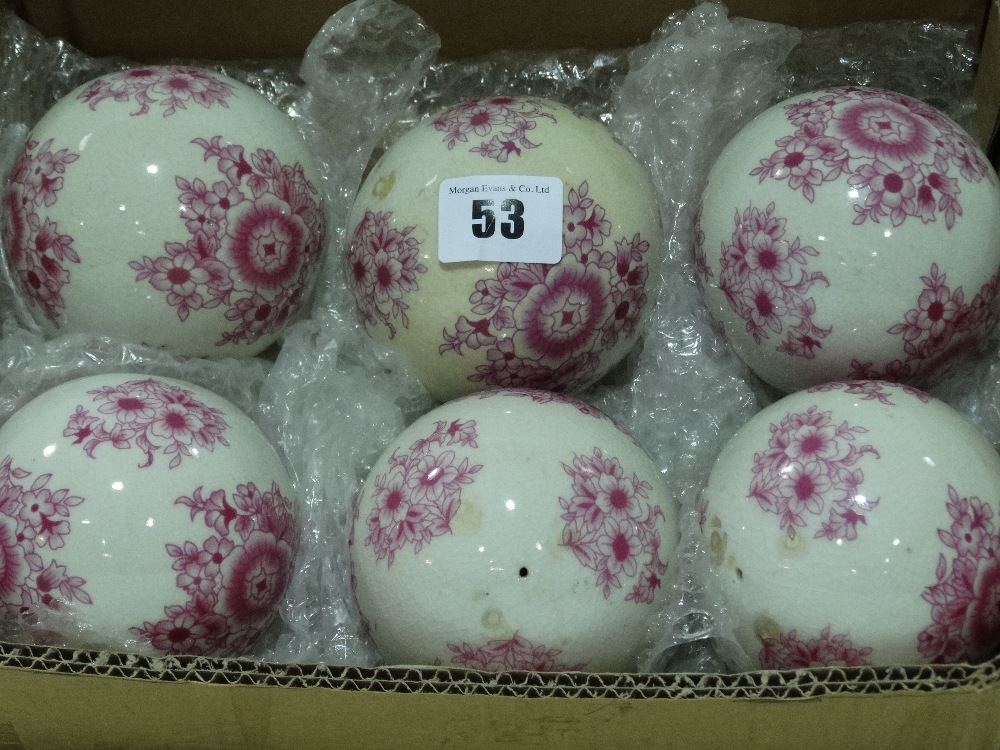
(234, 580)
(545, 326)
(965, 598)
(908, 158)
(501, 124)
(938, 332)
(416, 499)
(38, 253)
(150, 415)
(766, 281)
(515, 653)
(790, 651)
(871, 390)
(170, 88)
(811, 468)
(34, 524)
(383, 266)
(254, 240)
(612, 527)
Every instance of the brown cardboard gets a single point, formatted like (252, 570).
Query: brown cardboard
(53, 698)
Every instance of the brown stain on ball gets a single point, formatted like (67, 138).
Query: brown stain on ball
(383, 185)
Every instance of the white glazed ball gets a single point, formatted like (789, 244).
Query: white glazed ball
(856, 523)
(512, 529)
(168, 206)
(492, 322)
(850, 233)
(152, 512)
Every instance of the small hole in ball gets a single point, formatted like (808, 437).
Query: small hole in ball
(523, 572)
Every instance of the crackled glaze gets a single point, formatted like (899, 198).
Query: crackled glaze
(160, 523)
(475, 325)
(851, 233)
(187, 193)
(510, 529)
(890, 557)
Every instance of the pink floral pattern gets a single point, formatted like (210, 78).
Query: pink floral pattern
(539, 396)
(545, 326)
(938, 332)
(612, 528)
(766, 282)
(907, 157)
(790, 651)
(501, 124)
(171, 87)
(965, 599)
(515, 653)
(255, 237)
(811, 467)
(38, 253)
(416, 499)
(871, 390)
(384, 263)
(234, 580)
(150, 415)
(34, 523)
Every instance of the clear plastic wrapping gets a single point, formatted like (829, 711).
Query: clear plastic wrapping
(332, 399)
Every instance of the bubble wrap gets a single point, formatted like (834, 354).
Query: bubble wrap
(333, 400)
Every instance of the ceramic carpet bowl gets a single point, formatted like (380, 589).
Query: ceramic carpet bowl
(850, 233)
(512, 529)
(142, 513)
(550, 234)
(168, 206)
(856, 523)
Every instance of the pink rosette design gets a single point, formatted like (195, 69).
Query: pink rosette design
(255, 239)
(965, 599)
(502, 125)
(546, 326)
(938, 332)
(612, 528)
(150, 415)
(906, 156)
(34, 524)
(38, 254)
(416, 499)
(789, 651)
(515, 653)
(810, 468)
(384, 264)
(172, 87)
(766, 282)
(234, 580)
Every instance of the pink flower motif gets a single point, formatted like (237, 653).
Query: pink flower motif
(900, 152)
(965, 599)
(416, 499)
(544, 326)
(255, 239)
(171, 87)
(765, 281)
(789, 651)
(256, 576)
(810, 467)
(611, 527)
(501, 123)
(150, 415)
(516, 653)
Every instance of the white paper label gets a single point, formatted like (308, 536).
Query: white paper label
(500, 218)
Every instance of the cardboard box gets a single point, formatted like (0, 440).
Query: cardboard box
(55, 698)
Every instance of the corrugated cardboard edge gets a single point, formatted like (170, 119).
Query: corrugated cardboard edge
(55, 698)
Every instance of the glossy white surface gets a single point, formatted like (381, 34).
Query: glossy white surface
(472, 325)
(856, 523)
(850, 233)
(169, 206)
(152, 512)
(512, 530)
